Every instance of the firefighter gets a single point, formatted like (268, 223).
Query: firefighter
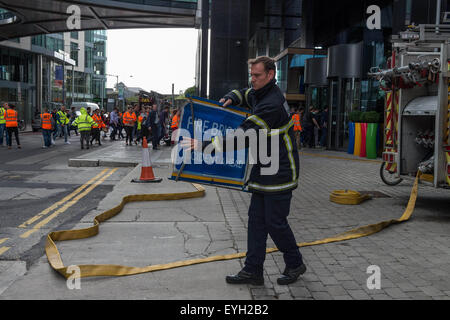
(271, 193)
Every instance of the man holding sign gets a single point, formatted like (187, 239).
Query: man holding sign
(271, 192)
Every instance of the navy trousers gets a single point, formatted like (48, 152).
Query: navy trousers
(267, 215)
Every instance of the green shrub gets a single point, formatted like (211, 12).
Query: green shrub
(370, 117)
(354, 116)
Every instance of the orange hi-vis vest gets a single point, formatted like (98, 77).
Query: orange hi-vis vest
(175, 122)
(297, 125)
(11, 118)
(129, 118)
(46, 121)
(98, 122)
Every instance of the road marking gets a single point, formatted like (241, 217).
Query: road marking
(66, 206)
(3, 240)
(4, 249)
(61, 202)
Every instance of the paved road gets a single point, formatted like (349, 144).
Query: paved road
(413, 258)
(31, 180)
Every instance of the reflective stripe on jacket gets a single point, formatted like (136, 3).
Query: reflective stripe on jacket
(270, 113)
(46, 121)
(11, 118)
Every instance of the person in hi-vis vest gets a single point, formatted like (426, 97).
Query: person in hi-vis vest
(12, 124)
(46, 126)
(84, 122)
(3, 130)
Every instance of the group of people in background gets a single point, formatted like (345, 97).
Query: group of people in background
(142, 122)
(310, 127)
(137, 122)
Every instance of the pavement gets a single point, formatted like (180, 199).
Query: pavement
(413, 258)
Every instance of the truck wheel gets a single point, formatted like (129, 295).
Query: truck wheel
(389, 178)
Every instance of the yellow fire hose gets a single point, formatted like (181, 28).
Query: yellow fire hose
(348, 197)
(56, 263)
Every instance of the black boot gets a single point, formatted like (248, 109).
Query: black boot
(291, 275)
(244, 277)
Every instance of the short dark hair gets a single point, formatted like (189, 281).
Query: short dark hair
(269, 63)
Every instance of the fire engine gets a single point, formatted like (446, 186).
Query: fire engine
(417, 108)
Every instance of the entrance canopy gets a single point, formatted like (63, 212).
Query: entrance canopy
(26, 18)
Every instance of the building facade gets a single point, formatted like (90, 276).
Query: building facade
(324, 49)
(50, 70)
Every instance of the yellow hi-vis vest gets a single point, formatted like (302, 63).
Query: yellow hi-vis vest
(2, 115)
(84, 122)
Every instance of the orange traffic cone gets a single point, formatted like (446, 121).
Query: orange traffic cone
(147, 170)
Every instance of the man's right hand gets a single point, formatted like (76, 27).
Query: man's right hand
(226, 102)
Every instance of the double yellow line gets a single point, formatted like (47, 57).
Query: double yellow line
(60, 206)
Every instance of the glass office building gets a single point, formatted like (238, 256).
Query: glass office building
(52, 69)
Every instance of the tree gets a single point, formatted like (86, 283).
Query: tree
(190, 91)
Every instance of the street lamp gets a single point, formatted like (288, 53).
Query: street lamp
(117, 84)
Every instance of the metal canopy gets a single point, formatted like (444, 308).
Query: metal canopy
(50, 16)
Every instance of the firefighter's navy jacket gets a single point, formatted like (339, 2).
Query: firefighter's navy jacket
(270, 111)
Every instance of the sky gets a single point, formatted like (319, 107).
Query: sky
(154, 58)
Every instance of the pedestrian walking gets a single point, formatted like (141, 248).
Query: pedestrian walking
(154, 125)
(113, 123)
(84, 122)
(97, 127)
(271, 193)
(12, 123)
(297, 126)
(46, 127)
(62, 122)
(120, 126)
(73, 116)
(309, 123)
(3, 131)
(324, 127)
(139, 127)
(105, 118)
(129, 118)
(316, 117)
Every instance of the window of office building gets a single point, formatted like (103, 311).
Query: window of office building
(74, 34)
(88, 57)
(99, 68)
(16, 66)
(100, 48)
(89, 36)
(74, 52)
(282, 73)
(54, 44)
